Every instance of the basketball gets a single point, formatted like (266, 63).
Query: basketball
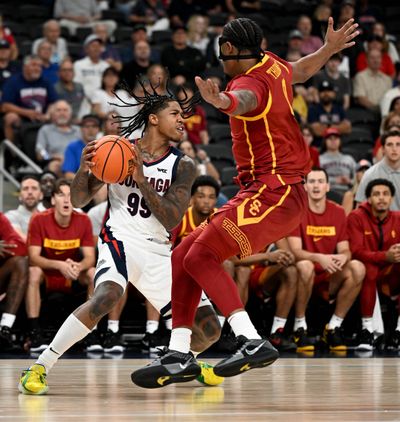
(113, 161)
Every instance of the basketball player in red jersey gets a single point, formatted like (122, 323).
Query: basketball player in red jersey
(272, 162)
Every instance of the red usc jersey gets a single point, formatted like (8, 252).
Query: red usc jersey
(9, 235)
(267, 143)
(60, 243)
(320, 233)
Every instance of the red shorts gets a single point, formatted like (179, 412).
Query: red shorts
(321, 282)
(257, 216)
(55, 283)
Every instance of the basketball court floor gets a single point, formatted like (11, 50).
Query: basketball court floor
(293, 389)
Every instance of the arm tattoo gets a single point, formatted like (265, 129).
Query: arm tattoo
(247, 102)
(169, 209)
(83, 188)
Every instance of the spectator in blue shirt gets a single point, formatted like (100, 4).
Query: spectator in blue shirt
(90, 127)
(26, 96)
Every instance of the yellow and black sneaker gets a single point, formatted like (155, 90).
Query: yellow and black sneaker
(207, 376)
(33, 381)
(303, 342)
(334, 339)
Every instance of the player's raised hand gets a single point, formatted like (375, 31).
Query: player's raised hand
(87, 154)
(210, 92)
(343, 37)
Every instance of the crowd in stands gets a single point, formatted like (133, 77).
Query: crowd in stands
(67, 72)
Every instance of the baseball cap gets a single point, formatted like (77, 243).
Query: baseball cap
(325, 86)
(139, 27)
(331, 131)
(4, 44)
(295, 33)
(91, 118)
(363, 165)
(90, 38)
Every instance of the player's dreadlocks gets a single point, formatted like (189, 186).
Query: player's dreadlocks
(244, 34)
(151, 102)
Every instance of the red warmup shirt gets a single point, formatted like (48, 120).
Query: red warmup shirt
(9, 235)
(387, 66)
(370, 238)
(320, 233)
(314, 157)
(267, 142)
(60, 243)
(195, 124)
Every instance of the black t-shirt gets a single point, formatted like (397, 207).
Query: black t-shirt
(188, 62)
(7, 72)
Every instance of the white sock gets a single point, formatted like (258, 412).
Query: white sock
(151, 326)
(180, 340)
(278, 323)
(242, 325)
(69, 333)
(300, 323)
(168, 324)
(335, 322)
(7, 320)
(195, 353)
(113, 325)
(398, 324)
(221, 320)
(367, 324)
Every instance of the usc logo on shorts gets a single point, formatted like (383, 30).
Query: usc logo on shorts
(254, 208)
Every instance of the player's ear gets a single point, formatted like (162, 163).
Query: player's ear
(328, 187)
(153, 119)
(52, 201)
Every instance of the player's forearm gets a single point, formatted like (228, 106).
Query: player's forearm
(303, 255)
(259, 258)
(44, 263)
(84, 186)
(236, 103)
(87, 262)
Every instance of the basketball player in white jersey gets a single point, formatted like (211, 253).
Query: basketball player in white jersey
(134, 242)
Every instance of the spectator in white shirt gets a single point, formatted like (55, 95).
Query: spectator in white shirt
(51, 33)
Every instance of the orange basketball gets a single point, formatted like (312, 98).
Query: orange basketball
(113, 160)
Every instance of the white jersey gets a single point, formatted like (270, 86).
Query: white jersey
(128, 213)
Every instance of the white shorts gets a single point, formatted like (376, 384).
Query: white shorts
(144, 263)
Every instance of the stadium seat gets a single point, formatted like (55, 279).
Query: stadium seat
(26, 137)
(123, 34)
(335, 196)
(219, 152)
(359, 149)
(227, 174)
(230, 190)
(82, 33)
(358, 133)
(114, 15)
(161, 37)
(219, 132)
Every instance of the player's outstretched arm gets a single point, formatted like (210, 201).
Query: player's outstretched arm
(85, 185)
(169, 209)
(335, 41)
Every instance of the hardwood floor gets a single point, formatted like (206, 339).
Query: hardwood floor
(292, 389)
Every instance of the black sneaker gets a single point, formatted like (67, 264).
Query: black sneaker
(394, 341)
(170, 367)
(282, 342)
(303, 342)
(38, 342)
(112, 342)
(365, 340)
(93, 342)
(251, 354)
(334, 339)
(152, 342)
(6, 341)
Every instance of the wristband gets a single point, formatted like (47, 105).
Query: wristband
(234, 103)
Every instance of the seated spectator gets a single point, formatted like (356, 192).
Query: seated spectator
(379, 29)
(391, 121)
(182, 62)
(70, 91)
(349, 202)
(370, 85)
(47, 182)
(375, 42)
(375, 241)
(196, 123)
(110, 54)
(180, 11)
(89, 70)
(340, 83)
(90, 127)
(6, 35)
(197, 34)
(82, 13)
(139, 33)
(310, 43)
(388, 168)
(300, 106)
(29, 198)
(49, 69)
(151, 13)
(138, 65)
(51, 33)
(26, 96)
(61, 248)
(340, 167)
(390, 95)
(327, 113)
(295, 40)
(13, 279)
(323, 259)
(308, 139)
(54, 137)
(104, 99)
(157, 76)
(8, 67)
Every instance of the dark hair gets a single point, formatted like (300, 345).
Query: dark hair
(205, 181)
(319, 169)
(323, 144)
(244, 34)
(109, 70)
(151, 103)
(59, 183)
(47, 172)
(379, 182)
(30, 176)
(389, 134)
